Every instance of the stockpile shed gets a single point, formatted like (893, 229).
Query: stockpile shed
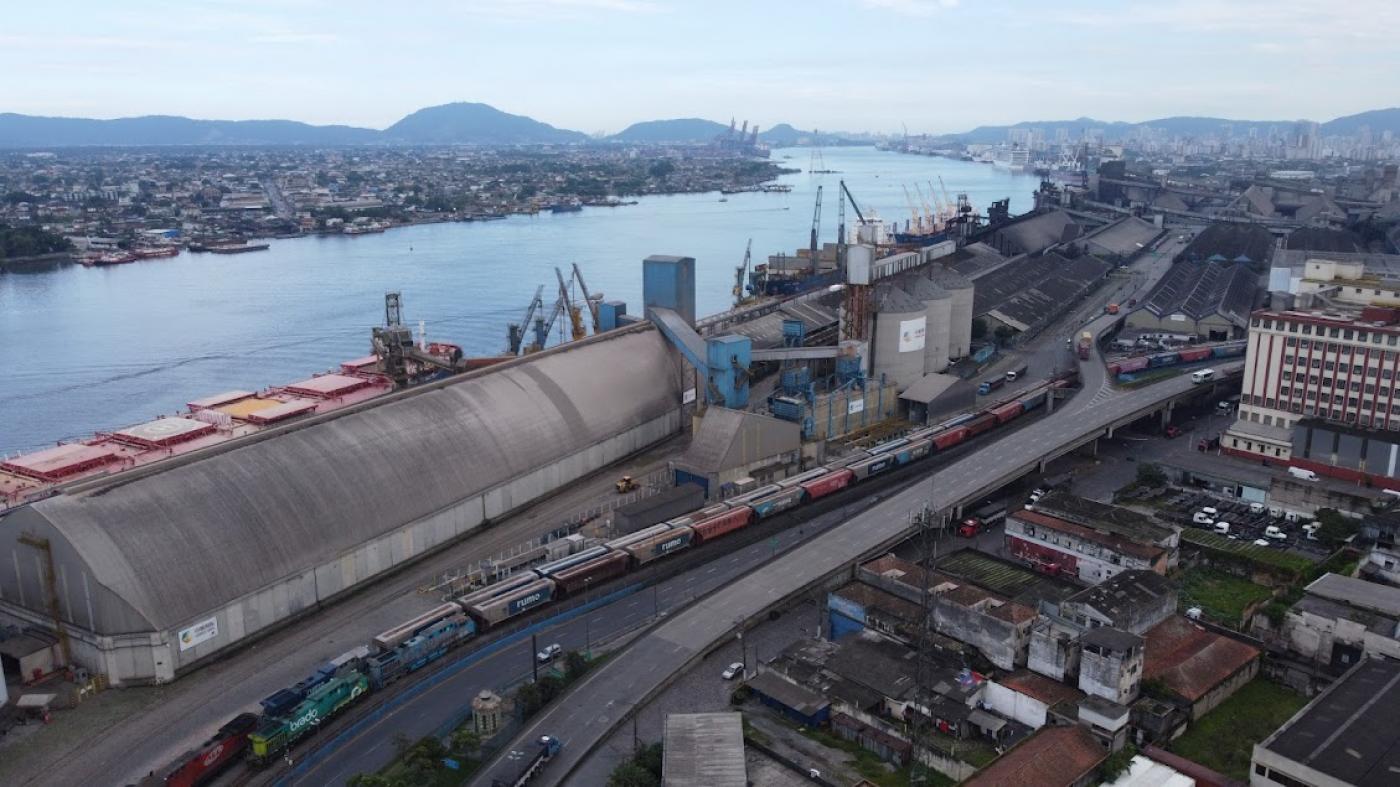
(1251, 244)
(1028, 294)
(704, 750)
(1033, 233)
(1121, 240)
(975, 260)
(162, 566)
(731, 444)
(1323, 239)
(1211, 300)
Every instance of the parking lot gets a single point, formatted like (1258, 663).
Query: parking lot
(1240, 521)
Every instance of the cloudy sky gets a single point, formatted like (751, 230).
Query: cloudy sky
(598, 65)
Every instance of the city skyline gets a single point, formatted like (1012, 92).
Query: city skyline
(600, 65)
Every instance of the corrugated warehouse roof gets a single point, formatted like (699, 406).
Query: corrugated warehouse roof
(1033, 290)
(1035, 233)
(1123, 237)
(195, 534)
(1199, 290)
(728, 438)
(1052, 757)
(1231, 242)
(704, 750)
(1191, 661)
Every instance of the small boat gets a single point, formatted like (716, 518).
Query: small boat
(723, 199)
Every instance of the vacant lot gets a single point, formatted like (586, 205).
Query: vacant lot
(1224, 738)
(1224, 597)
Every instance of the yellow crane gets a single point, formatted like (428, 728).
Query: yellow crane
(588, 299)
(575, 313)
(928, 212)
(917, 224)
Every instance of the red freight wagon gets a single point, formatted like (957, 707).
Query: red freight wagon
(594, 572)
(980, 424)
(203, 764)
(1008, 411)
(1198, 354)
(1133, 364)
(728, 522)
(950, 438)
(831, 482)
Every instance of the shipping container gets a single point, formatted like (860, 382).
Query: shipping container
(723, 524)
(494, 611)
(1007, 412)
(1230, 350)
(980, 424)
(950, 437)
(1114, 368)
(1134, 364)
(831, 482)
(777, 502)
(591, 574)
(1194, 354)
(873, 465)
(1033, 401)
(661, 544)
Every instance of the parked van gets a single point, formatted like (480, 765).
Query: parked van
(1203, 376)
(1223, 528)
(1276, 512)
(1302, 473)
(1210, 511)
(1256, 508)
(1273, 531)
(1202, 518)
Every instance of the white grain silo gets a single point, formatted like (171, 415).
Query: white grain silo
(960, 320)
(900, 325)
(938, 304)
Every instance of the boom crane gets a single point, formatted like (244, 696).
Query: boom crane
(932, 217)
(741, 274)
(516, 331)
(946, 199)
(588, 299)
(917, 223)
(577, 331)
(816, 228)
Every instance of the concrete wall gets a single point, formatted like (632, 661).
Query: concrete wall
(156, 656)
(1111, 675)
(1135, 620)
(1223, 691)
(1312, 637)
(1015, 705)
(1053, 653)
(1005, 644)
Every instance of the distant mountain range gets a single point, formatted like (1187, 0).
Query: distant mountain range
(449, 124)
(1379, 120)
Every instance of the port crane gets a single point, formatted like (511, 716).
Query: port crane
(741, 275)
(816, 229)
(916, 223)
(516, 331)
(588, 299)
(933, 217)
(566, 301)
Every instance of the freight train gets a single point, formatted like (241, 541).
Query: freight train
(296, 712)
(1162, 360)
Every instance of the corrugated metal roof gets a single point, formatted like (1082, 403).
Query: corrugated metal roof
(704, 750)
(729, 438)
(190, 537)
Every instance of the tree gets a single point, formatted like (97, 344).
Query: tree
(575, 665)
(1004, 333)
(979, 328)
(1149, 474)
(1335, 527)
(466, 742)
(650, 757)
(630, 774)
(1117, 762)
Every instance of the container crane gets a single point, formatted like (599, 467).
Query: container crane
(588, 299)
(577, 331)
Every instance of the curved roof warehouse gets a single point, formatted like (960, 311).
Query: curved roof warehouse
(160, 567)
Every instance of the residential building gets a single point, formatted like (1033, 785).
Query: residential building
(1070, 535)
(1132, 601)
(1110, 664)
(1340, 619)
(1347, 735)
(1199, 668)
(1053, 757)
(1027, 697)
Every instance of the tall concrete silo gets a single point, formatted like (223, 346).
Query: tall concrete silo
(960, 319)
(938, 303)
(901, 321)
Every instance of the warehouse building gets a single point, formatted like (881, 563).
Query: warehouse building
(1033, 233)
(1030, 293)
(732, 451)
(1210, 300)
(161, 567)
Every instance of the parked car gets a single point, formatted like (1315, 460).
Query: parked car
(1261, 542)
(1256, 508)
(549, 653)
(1274, 532)
(733, 671)
(1223, 528)
(1201, 518)
(1210, 511)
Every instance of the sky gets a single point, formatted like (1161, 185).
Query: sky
(933, 66)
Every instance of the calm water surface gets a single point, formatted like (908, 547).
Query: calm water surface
(84, 349)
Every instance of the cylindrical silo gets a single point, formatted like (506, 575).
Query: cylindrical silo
(960, 318)
(938, 304)
(900, 325)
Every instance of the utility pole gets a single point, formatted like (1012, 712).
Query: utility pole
(928, 521)
(534, 662)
